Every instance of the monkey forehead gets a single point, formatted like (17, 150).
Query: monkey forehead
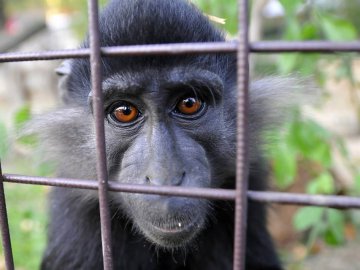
(149, 22)
(136, 83)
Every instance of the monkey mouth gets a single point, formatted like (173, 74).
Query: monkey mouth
(176, 227)
(172, 234)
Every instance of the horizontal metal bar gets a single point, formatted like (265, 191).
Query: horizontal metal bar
(188, 48)
(169, 49)
(209, 193)
(44, 55)
(304, 46)
(332, 201)
(163, 49)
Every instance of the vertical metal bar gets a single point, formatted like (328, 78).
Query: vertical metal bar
(242, 130)
(4, 226)
(98, 107)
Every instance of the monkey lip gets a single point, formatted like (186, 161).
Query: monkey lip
(169, 235)
(177, 227)
(175, 230)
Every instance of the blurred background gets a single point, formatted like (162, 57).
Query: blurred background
(317, 151)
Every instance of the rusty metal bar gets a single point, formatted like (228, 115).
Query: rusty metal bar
(172, 49)
(188, 48)
(132, 50)
(332, 201)
(98, 108)
(304, 46)
(43, 55)
(241, 139)
(4, 226)
(209, 193)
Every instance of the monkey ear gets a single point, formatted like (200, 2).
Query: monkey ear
(64, 68)
(63, 71)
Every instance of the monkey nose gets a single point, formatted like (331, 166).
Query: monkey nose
(165, 180)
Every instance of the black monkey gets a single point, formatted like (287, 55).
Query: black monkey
(170, 120)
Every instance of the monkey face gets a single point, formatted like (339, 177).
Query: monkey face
(160, 132)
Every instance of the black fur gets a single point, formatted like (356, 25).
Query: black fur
(160, 144)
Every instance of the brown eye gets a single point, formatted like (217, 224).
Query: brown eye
(125, 112)
(189, 105)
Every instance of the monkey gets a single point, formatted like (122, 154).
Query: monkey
(169, 120)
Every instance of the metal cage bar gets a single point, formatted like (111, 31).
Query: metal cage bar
(241, 138)
(189, 48)
(242, 47)
(98, 105)
(4, 226)
(334, 201)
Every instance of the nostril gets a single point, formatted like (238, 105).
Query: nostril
(180, 179)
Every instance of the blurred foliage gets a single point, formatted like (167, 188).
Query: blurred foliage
(26, 204)
(4, 140)
(78, 7)
(321, 222)
(219, 9)
(312, 24)
(79, 10)
(304, 140)
(27, 221)
(16, 5)
(299, 138)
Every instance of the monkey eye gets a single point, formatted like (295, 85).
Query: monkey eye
(125, 112)
(189, 105)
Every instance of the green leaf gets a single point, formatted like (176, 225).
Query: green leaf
(357, 183)
(293, 29)
(22, 116)
(322, 154)
(284, 165)
(306, 65)
(287, 62)
(335, 217)
(29, 140)
(307, 217)
(336, 224)
(308, 31)
(330, 238)
(323, 184)
(337, 29)
(290, 6)
(311, 140)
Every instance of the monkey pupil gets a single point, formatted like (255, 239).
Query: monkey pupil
(126, 110)
(189, 102)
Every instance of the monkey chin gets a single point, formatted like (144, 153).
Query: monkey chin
(172, 234)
